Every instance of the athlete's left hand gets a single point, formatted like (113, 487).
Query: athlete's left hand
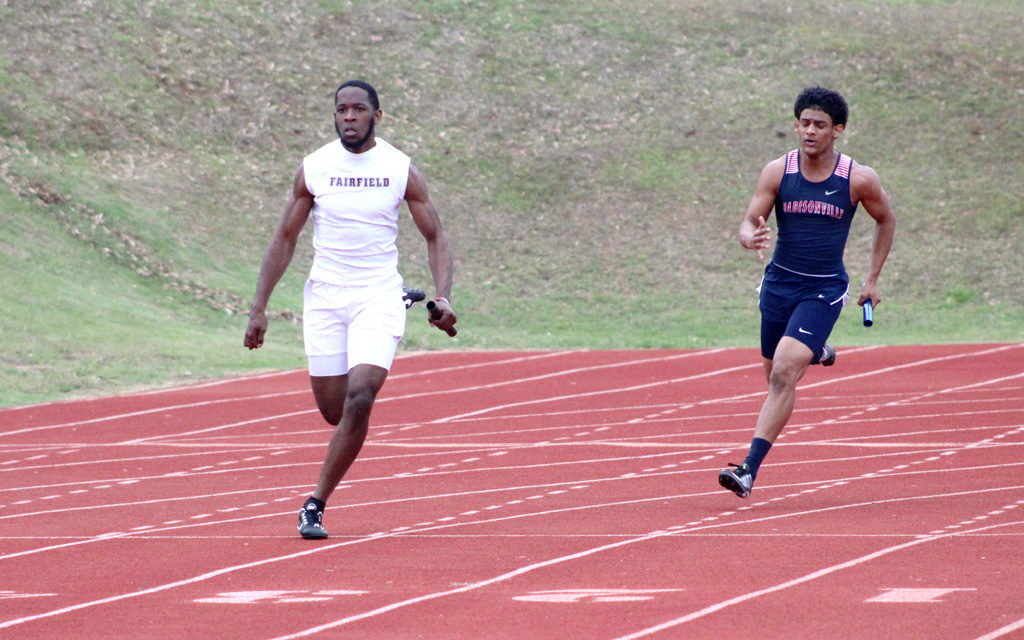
(869, 291)
(443, 316)
(256, 329)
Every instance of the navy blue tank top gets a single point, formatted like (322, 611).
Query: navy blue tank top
(813, 219)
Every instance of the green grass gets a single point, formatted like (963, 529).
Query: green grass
(77, 324)
(591, 165)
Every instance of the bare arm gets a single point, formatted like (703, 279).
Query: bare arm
(277, 258)
(866, 188)
(439, 252)
(754, 234)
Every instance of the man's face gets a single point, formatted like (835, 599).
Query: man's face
(355, 119)
(816, 132)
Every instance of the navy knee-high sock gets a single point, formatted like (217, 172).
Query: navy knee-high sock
(758, 450)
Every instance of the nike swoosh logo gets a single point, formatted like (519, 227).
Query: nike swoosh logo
(828, 193)
(801, 330)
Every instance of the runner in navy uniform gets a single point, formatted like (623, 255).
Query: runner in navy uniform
(814, 191)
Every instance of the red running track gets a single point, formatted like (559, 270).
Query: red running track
(540, 496)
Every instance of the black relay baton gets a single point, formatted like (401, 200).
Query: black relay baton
(436, 314)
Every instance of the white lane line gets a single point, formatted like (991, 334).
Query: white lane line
(814, 575)
(377, 536)
(615, 545)
(441, 392)
(754, 394)
(1002, 631)
(240, 398)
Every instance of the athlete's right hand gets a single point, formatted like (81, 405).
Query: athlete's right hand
(758, 239)
(256, 330)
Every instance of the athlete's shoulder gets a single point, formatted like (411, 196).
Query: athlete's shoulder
(778, 167)
(385, 148)
(325, 150)
(862, 174)
(858, 169)
(790, 157)
(864, 182)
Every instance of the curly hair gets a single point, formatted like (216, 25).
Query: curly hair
(824, 99)
(365, 86)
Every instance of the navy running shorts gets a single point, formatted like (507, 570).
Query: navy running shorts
(802, 307)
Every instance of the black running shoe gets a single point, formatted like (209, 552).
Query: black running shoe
(828, 356)
(309, 523)
(412, 296)
(737, 480)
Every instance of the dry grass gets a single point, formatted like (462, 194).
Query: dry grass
(579, 155)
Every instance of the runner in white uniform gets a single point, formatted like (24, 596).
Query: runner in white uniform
(353, 313)
(352, 304)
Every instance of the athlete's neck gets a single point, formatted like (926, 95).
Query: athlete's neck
(363, 147)
(819, 166)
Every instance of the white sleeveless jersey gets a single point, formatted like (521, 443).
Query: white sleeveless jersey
(355, 212)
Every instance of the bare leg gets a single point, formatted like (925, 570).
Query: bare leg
(791, 360)
(783, 372)
(345, 401)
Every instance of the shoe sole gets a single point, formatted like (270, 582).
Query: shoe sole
(312, 533)
(830, 360)
(730, 482)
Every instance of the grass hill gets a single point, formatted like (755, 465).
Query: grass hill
(591, 164)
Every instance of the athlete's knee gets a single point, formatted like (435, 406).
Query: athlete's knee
(360, 399)
(784, 375)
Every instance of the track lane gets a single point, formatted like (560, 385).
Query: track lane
(655, 437)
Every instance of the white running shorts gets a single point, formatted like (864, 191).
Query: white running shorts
(346, 326)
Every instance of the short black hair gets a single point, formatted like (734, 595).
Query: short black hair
(365, 86)
(824, 99)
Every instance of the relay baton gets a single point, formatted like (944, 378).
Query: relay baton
(868, 319)
(436, 314)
